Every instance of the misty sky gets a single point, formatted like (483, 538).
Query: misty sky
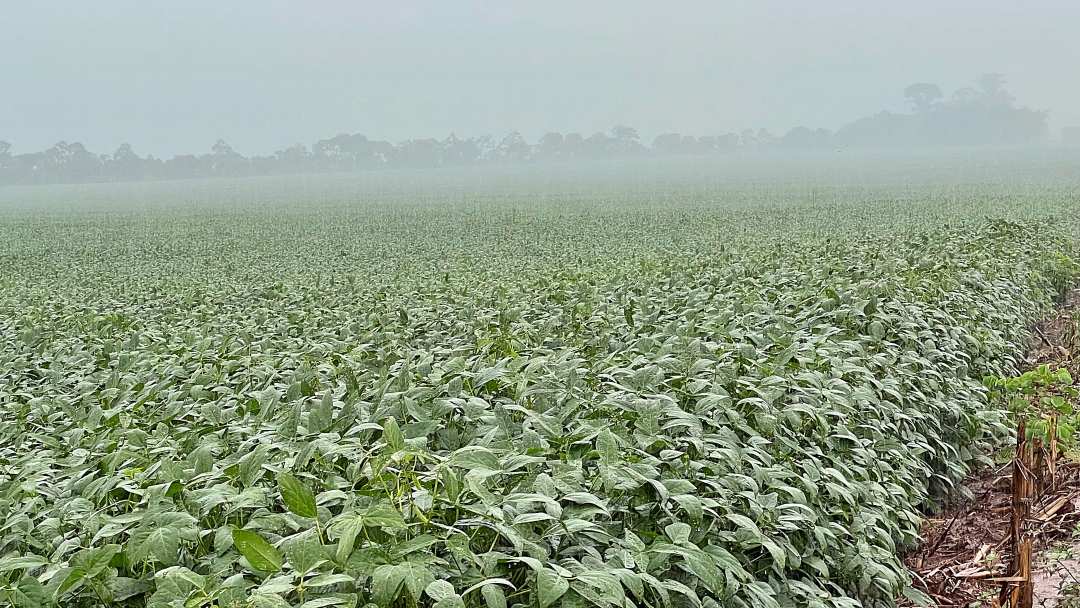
(172, 77)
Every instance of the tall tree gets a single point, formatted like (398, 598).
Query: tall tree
(964, 97)
(922, 95)
(513, 149)
(992, 85)
(551, 147)
(627, 142)
(125, 164)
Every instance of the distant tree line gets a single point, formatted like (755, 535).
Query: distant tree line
(973, 116)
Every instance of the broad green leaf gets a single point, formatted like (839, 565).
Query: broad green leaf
(93, 562)
(259, 553)
(439, 590)
(475, 458)
(268, 600)
(319, 602)
(123, 588)
(346, 527)
(746, 524)
(493, 596)
(251, 465)
(164, 544)
(417, 577)
(705, 568)
(413, 545)
(298, 497)
(392, 434)
(202, 459)
(549, 587)
(28, 562)
(305, 553)
(28, 593)
(383, 515)
(322, 414)
(607, 584)
(453, 601)
(173, 587)
(386, 584)
(608, 447)
(277, 585)
(325, 580)
(678, 532)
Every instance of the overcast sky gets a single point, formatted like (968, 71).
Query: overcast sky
(172, 77)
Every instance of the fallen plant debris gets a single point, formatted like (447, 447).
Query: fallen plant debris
(966, 549)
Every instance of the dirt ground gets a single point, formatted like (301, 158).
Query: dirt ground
(963, 546)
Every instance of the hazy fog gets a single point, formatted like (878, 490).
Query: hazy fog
(171, 78)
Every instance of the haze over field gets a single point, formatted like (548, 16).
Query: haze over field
(559, 305)
(173, 78)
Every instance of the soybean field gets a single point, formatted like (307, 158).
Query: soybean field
(692, 385)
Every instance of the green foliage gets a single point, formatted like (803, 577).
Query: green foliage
(1036, 394)
(692, 405)
(299, 499)
(259, 554)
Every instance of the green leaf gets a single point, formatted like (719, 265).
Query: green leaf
(383, 515)
(259, 553)
(322, 415)
(325, 580)
(413, 545)
(678, 532)
(386, 584)
(453, 601)
(20, 562)
(346, 527)
(493, 596)
(705, 568)
(747, 524)
(608, 447)
(251, 465)
(93, 562)
(817, 564)
(173, 587)
(692, 505)
(164, 545)
(28, 594)
(439, 590)
(123, 588)
(331, 600)
(916, 597)
(305, 554)
(392, 434)
(417, 577)
(277, 585)
(608, 584)
(299, 498)
(549, 587)
(202, 459)
(268, 600)
(475, 458)
(778, 554)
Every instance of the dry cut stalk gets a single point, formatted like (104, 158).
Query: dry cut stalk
(1038, 467)
(1028, 462)
(1025, 596)
(1052, 465)
(1034, 469)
